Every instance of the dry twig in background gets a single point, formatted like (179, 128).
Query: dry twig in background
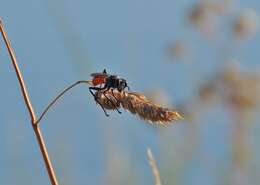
(27, 101)
(138, 104)
(154, 168)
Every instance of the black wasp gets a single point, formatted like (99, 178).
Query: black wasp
(107, 82)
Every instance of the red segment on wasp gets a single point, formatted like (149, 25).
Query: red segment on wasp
(107, 82)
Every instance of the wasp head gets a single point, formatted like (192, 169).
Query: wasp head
(122, 85)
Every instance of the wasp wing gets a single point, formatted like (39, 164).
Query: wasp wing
(99, 75)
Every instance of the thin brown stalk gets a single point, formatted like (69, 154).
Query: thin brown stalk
(29, 106)
(154, 167)
(58, 97)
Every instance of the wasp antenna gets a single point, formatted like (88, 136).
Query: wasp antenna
(104, 71)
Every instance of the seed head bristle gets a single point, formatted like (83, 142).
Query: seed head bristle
(137, 103)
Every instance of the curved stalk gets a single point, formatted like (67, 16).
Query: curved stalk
(58, 97)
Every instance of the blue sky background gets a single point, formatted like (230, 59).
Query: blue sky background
(59, 42)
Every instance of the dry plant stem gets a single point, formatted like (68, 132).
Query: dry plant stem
(58, 97)
(26, 98)
(154, 167)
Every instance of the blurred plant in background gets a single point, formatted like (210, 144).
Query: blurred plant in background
(232, 86)
(246, 24)
(205, 14)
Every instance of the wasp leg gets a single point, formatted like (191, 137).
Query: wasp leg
(90, 90)
(104, 93)
(114, 95)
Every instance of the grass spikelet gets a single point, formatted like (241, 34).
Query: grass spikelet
(137, 103)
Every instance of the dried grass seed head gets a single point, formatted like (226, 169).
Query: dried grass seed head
(137, 103)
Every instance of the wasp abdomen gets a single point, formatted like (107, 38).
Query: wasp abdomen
(98, 80)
